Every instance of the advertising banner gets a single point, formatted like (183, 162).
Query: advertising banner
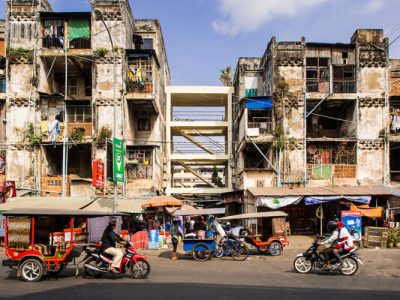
(118, 160)
(154, 239)
(352, 221)
(98, 173)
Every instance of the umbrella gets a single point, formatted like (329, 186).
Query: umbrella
(162, 201)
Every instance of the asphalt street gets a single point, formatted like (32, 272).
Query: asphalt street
(259, 276)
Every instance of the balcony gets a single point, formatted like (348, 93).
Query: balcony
(65, 30)
(259, 128)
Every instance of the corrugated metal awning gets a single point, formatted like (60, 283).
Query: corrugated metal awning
(57, 212)
(324, 191)
(71, 203)
(269, 214)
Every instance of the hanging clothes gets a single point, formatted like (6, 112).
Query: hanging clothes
(54, 131)
(132, 74)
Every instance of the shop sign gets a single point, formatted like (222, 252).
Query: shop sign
(154, 239)
(98, 173)
(352, 221)
(118, 160)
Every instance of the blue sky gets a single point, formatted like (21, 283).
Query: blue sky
(203, 36)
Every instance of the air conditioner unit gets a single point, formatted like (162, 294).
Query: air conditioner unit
(260, 183)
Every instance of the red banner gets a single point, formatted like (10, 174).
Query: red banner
(98, 173)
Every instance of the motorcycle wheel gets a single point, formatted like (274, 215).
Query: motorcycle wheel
(140, 269)
(350, 266)
(219, 250)
(275, 249)
(302, 265)
(241, 252)
(90, 272)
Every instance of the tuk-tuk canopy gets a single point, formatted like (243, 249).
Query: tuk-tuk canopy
(44, 203)
(200, 212)
(269, 214)
(58, 212)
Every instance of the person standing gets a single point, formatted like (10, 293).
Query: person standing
(174, 238)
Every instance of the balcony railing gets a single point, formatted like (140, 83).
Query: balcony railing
(58, 43)
(344, 87)
(264, 127)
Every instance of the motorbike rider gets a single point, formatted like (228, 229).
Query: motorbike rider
(330, 242)
(345, 242)
(108, 245)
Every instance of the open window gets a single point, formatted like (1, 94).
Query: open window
(317, 74)
(344, 79)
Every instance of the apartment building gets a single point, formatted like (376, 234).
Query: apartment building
(311, 116)
(64, 72)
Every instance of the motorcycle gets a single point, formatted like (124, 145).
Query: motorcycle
(310, 259)
(97, 263)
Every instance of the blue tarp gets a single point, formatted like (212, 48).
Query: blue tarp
(258, 102)
(318, 200)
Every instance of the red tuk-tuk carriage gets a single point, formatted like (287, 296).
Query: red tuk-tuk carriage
(269, 232)
(40, 241)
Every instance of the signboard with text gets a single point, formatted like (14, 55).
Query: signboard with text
(352, 221)
(98, 173)
(118, 160)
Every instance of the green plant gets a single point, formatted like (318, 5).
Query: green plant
(282, 86)
(225, 76)
(279, 140)
(14, 54)
(118, 49)
(215, 178)
(33, 138)
(77, 134)
(100, 52)
(104, 134)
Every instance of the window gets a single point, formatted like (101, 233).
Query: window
(142, 157)
(144, 125)
(79, 114)
(317, 74)
(72, 86)
(344, 80)
(147, 44)
(52, 103)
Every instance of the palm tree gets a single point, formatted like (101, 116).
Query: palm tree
(225, 76)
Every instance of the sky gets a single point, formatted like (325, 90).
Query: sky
(204, 36)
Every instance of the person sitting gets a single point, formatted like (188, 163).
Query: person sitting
(201, 228)
(109, 242)
(345, 242)
(330, 242)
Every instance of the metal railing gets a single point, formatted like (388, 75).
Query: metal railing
(58, 43)
(265, 127)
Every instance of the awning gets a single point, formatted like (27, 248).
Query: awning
(162, 201)
(269, 214)
(72, 203)
(199, 212)
(277, 202)
(324, 199)
(324, 191)
(366, 211)
(258, 102)
(131, 206)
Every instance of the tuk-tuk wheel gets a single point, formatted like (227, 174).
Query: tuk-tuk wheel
(31, 270)
(275, 249)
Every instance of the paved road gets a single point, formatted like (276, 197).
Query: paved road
(261, 277)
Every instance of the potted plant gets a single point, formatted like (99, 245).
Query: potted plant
(397, 237)
(391, 238)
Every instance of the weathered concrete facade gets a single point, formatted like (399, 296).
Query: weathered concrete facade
(322, 117)
(61, 68)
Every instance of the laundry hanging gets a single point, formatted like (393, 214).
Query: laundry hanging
(78, 29)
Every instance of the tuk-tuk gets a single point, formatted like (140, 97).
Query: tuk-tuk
(44, 241)
(269, 232)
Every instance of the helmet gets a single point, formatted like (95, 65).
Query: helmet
(112, 221)
(331, 226)
(228, 223)
(340, 224)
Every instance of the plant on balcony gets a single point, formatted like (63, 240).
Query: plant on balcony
(33, 138)
(15, 55)
(118, 50)
(215, 178)
(279, 140)
(77, 134)
(225, 76)
(103, 134)
(100, 52)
